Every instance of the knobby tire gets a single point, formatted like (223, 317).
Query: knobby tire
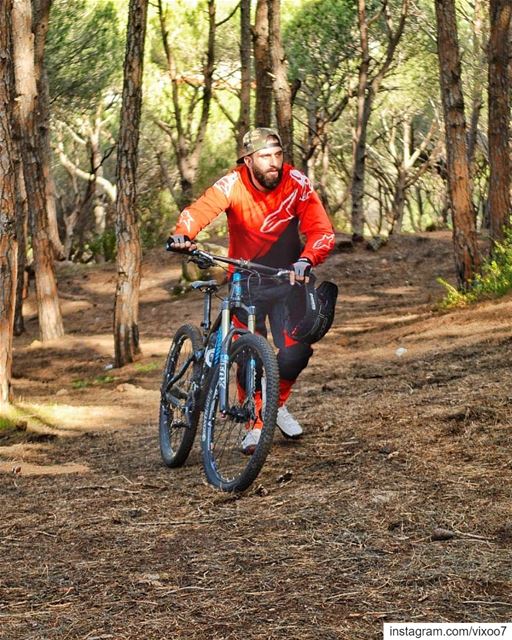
(226, 467)
(177, 425)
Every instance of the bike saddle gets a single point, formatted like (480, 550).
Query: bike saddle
(205, 285)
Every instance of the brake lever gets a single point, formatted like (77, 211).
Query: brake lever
(203, 260)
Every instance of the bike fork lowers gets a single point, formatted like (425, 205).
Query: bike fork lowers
(228, 333)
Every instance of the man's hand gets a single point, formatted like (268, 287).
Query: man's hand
(300, 272)
(179, 242)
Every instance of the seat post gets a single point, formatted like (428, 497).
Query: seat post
(207, 311)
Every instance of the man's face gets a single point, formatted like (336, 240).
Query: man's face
(266, 166)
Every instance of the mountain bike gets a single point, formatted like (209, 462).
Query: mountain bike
(227, 372)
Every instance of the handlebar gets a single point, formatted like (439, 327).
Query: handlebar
(204, 259)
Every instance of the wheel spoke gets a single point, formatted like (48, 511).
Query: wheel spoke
(225, 463)
(178, 414)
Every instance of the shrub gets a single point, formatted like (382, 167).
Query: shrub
(494, 281)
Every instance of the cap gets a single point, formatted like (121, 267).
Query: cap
(257, 139)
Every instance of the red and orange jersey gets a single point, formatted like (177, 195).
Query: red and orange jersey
(264, 226)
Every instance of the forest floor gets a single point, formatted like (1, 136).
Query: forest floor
(396, 505)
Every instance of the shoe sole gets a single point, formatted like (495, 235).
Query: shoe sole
(248, 451)
(289, 437)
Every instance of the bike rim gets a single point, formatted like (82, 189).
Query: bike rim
(225, 433)
(176, 403)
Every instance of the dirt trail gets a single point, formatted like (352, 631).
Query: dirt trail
(395, 506)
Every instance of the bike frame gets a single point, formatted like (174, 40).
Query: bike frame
(223, 324)
(225, 331)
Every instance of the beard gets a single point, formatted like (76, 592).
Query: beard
(267, 181)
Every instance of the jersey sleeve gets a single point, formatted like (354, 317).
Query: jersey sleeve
(314, 223)
(203, 211)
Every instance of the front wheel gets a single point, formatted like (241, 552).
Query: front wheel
(252, 385)
(179, 406)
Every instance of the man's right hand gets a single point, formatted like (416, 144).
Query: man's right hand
(179, 242)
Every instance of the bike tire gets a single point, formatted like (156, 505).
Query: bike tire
(178, 424)
(225, 466)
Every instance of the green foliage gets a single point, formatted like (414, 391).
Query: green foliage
(219, 155)
(84, 60)
(103, 245)
(186, 26)
(320, 38)
(84, 52)
(494, 281)
(83, 383)
(6, 423)
(146, 368)
(155, 225)
(29, 416)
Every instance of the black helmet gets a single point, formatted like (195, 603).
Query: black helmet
(311, 310)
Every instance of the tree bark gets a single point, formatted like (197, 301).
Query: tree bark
(45, 150)
(126, 310)
(410, 164)
(21, 234)
(368, 86)
(282, 91)
(499, 116)
(479, 39)
(187, 143)
(41, 17)
(244, 119)
(50, 318)
(262, 66)
(8, 242)
(100, 212)
(359, 144)
(464, 233)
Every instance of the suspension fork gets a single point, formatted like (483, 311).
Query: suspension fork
(228, 334)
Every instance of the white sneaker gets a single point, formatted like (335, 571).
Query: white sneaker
(287, 423)
(250, 441)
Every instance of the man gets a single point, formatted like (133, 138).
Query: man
(268, 205)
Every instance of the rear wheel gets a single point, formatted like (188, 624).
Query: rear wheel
(179, 407)
(252, 392)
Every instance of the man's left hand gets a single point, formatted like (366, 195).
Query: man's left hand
(300, 271)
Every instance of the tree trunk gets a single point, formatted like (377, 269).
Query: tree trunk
(410, 164)
(282, 91)
(359, 142)
(50, 318)
(100, 213)
(244, 119)
(367, 90)
(479, 39)
(499, 116)
(8, 244)
(464, 232)
(187, 144)
(321, 185)
(44, 138)
(262, 66)
(398, 205)
(21, 234)
(126, 310)
(41, 16)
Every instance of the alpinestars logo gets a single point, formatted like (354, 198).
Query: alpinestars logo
(325, 242)
(305, 184)
(226, 183)
(283, 214)
(186, 219)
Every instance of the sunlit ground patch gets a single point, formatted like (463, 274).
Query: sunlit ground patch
(24, 468)
(58, 419)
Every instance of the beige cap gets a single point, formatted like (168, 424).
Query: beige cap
(258, 139)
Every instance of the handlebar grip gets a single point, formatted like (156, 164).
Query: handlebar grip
(169, 246)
